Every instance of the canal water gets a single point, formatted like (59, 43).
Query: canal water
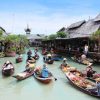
(31, 89)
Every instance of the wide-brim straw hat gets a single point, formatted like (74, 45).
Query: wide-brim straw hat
(89, 64)
(49, 55)
(64, 59)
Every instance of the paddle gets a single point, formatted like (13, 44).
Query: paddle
(55, 79)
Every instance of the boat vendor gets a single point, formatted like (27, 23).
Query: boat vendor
(64, 62)
(8, 65)
(30, 67)
(45, 73)
(89, 70)
(49, 56)
(83, 57)
(98, 87)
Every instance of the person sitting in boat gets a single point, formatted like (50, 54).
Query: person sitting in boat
(8, 65)
(98, 87)
(49, 57)
(83, 57)
(20, 56)
(45, 73)
(36, 55)
(28, 68)
(29, 53)
(36, 49)
(64, 62)
(29, 58)
(89, 70)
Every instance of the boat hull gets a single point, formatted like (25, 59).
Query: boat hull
(43, 80)
(8, 72)
(91, 92)
(26, 75)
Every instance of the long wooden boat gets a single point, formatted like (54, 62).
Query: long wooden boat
(82, 84)
(85, 62)
(23, 75)
(43, 80)
(8, 70)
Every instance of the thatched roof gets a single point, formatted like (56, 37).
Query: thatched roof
(84, 28)
(62, 29)
(97, 18)
(77, 24)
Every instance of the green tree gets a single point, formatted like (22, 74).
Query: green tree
(46, 38)
(15, 42)
(1, 32)
(96, 36)
(61, 34)
(52, 36)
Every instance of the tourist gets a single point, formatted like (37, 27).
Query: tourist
(98, 87)
(45, 72)
(86, 49)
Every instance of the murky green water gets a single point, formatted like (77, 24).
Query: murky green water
(31, 89)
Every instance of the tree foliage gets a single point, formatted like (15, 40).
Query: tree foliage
(96, 36)
(61, 34)
(14, 42)
(52, 37)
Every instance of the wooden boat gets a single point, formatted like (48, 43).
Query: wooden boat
(85, 62)
(37, 75)
(18, 60)
(8, 70)
(23, 75)
(82, 84)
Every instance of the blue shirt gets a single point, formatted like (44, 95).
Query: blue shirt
(45, 73)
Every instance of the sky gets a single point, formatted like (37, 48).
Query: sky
(45, 16)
